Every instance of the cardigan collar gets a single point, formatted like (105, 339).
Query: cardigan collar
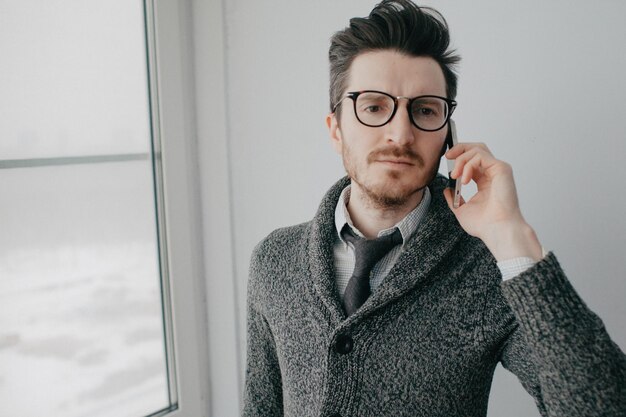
(433, 240)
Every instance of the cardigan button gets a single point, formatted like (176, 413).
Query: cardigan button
(344, 344)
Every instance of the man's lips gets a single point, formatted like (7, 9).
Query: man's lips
(398, 162)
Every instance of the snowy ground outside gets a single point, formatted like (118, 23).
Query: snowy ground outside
(81, 331)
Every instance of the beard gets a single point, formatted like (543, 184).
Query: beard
(388, 190)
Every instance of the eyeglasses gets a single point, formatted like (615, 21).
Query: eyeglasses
(375, 108)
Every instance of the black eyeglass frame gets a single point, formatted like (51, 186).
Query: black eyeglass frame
(355, 94)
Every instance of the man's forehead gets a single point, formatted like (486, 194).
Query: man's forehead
(396, 73)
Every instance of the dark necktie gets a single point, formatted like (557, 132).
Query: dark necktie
(366, 252)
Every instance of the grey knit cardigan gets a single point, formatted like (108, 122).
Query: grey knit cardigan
(426, 343)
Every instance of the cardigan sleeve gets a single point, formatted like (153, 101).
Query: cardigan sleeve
(263, 387)
(263, 391)
(559, 349)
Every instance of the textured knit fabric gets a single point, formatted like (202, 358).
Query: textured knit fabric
(513, 267)
(343, 252)
(426, 343)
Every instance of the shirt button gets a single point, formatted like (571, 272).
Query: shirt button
(344, 344)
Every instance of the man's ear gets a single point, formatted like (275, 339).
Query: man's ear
(334, 132)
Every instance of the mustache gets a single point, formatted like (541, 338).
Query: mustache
(395, 152)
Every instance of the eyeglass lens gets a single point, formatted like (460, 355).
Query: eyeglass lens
(376, 109)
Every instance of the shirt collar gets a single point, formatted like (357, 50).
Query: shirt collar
(408, 225)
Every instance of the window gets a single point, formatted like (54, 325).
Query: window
(91, 240)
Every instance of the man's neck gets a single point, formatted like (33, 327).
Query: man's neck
(371, 218)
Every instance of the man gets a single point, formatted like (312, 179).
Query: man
(392, 302)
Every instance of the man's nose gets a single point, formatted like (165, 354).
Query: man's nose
(400, 129)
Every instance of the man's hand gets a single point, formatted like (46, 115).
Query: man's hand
(493, 213)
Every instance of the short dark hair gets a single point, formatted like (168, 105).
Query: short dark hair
(397, 25)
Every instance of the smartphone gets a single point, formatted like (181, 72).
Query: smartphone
(454, 184)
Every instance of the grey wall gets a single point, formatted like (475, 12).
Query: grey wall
(540, 83)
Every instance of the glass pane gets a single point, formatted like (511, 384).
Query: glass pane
(80, 310)
(81, 318)
(73, 78)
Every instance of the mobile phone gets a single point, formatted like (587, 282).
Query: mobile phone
(454, 184)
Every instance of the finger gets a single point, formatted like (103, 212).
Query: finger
(472, 170)
(460, 148)
(480, 161)
(468, 172)
(447, 193)
(460, 162)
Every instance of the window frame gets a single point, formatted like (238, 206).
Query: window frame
(186, 72)
(183, 292)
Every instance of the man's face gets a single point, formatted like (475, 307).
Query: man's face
(390, 164)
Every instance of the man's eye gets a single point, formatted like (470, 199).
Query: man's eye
(425, 111)
(374, 106)
(373, 109)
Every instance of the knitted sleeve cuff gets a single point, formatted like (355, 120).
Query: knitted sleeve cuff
(544, 301)
(513, 267)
